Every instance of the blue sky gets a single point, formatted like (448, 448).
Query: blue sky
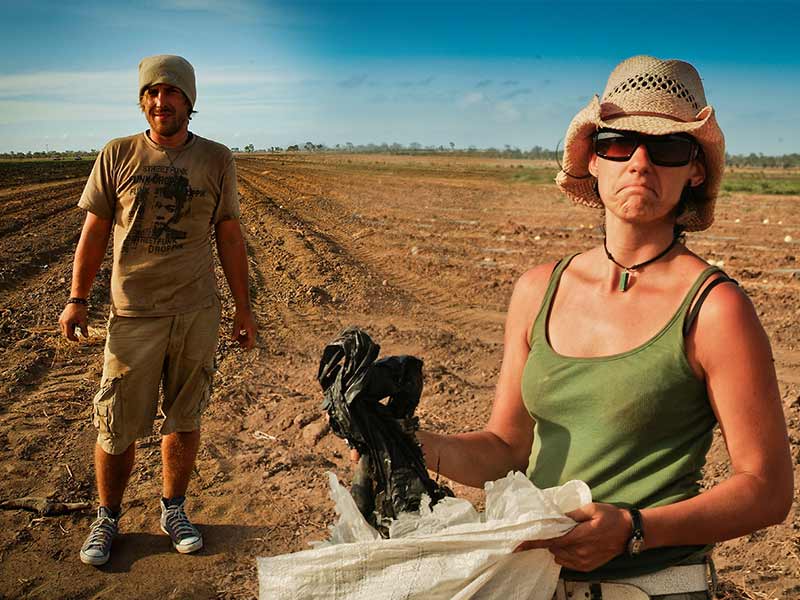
(471, 73)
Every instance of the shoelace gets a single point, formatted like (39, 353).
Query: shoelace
(179, 523)
(103, 529)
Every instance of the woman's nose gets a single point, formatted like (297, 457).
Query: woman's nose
(640, 159)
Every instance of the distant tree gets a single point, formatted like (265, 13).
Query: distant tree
(249, 148)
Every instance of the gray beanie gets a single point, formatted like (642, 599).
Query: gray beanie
(169, 69)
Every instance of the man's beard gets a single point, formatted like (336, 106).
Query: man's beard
(166, 128)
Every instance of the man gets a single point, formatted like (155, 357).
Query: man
(161, 191)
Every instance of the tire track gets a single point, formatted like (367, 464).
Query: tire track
(428, 293)
(20, 198)
(47, 207)
(296, 269)
(326, 261)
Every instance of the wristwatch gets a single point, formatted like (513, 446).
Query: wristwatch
(636, 541)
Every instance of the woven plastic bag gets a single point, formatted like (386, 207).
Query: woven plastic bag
(448, 552)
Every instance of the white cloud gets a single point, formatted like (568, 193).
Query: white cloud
(23, 111)
(236, 9)
(71, 83)
(471, 99)
(506, 112)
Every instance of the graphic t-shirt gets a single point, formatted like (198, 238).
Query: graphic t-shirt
(164, 203)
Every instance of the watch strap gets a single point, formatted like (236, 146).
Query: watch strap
(636, 541)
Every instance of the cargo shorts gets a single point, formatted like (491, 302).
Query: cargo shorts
(144, 354)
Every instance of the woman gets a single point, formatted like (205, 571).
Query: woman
(611, 375)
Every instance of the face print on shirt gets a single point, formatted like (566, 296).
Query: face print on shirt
(162, 200)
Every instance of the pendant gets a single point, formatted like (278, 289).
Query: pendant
(623, 281)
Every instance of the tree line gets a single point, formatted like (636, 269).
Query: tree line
(783, 161)
(759, 160)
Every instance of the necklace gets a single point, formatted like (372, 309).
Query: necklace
(177, 155)
(626, 271)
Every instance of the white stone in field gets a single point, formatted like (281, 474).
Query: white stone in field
(787, 239)
(738, 221)
(537, 238)
(765, 221)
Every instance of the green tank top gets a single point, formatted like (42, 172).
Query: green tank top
(634, 426)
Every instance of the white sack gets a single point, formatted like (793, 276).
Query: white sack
(449, 552)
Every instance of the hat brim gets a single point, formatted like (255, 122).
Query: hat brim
(575, 180)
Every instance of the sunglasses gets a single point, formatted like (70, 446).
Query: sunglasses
(674, 150)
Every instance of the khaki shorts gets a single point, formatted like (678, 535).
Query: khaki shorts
(142, 354)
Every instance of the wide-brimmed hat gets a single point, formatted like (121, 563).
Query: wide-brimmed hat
(653, 97)
(169, 69)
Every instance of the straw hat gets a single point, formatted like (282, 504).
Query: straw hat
(654, 97)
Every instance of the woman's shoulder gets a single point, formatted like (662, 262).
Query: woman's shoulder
(535, 280)
(528, 295)
(723, 300)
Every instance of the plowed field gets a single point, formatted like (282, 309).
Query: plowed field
(422, 252)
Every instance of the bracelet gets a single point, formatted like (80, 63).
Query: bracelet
(75, 300)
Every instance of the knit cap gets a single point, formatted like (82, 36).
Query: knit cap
(169, 69)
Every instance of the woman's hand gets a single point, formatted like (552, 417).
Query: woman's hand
(602, 533)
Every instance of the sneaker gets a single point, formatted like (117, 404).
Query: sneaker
(96, 549)
(174, 522)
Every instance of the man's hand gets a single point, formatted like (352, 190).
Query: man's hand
(244, 329)
(74, 316)
(601, 534)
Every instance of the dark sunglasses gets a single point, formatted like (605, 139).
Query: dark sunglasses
(674, 150)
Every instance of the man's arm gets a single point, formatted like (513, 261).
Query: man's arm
(233, 256)
(88, 257)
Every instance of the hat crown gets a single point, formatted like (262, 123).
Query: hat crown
(171, 69)
(643, 84)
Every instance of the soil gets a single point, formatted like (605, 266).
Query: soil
(422, 252)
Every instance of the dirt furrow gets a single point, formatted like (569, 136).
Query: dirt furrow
(45, 209)
(313, 243)
(28, 199)
(399, 274)
(422, 252)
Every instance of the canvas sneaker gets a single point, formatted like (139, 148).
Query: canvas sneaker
(174, 522)
(96, 550)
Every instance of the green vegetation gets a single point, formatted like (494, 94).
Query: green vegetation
(775, 182)
(49, 155)
(784, 161)
(533, 175)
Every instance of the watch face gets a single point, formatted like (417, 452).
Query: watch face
(635, 546)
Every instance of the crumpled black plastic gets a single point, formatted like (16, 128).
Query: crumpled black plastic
(371, 404)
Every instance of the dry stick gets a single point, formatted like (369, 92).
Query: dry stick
(43, 506)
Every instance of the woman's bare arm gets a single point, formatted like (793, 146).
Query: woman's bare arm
(476, 457)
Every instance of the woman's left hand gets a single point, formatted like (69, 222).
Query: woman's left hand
(602, 533)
